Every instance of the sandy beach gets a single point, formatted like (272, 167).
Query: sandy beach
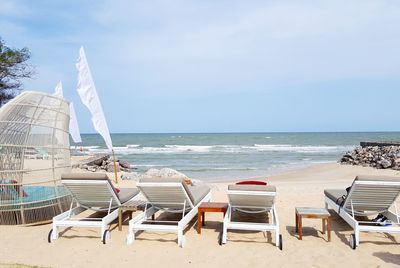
(170, 97)
(82, 247)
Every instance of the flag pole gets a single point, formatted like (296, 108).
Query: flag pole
(115, 166)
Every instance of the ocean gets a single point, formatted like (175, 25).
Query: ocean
(230, 156)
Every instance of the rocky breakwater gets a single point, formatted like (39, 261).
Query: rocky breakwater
(380, 157)
(105, 163)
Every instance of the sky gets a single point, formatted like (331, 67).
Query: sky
(219, 66)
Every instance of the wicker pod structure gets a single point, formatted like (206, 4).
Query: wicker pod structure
(34, 152)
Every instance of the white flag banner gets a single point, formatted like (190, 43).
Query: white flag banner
(73, 125)
(73, 122)
(58, 91)
(87, 92)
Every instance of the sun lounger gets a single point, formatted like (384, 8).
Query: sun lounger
(92, 191)
(252, 199)
(168, 195)
(367, 196)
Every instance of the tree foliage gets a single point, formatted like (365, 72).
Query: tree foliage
(13, 69)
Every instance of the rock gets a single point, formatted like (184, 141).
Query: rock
(92, 169)
(98, 162)
(110, 167)
(124, 164)
(386, 163)
(83, 166)
(164, 173)
(152, 172)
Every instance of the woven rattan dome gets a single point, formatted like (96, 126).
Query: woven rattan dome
(34, 152)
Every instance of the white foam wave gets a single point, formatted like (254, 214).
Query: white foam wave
(168, 149)
(85, 147)
(132, 145)
(190, 148)
(301, 148)
(145, 165)
(201, 149)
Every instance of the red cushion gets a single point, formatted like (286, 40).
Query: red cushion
(117, 189)
(252, 182)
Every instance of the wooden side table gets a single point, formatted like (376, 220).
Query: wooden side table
(130, 206)
(209, 207)
(313, 213)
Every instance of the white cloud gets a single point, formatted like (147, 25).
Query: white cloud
(295, 40)
(198, 47)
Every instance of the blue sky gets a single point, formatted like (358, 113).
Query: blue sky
(219, 66)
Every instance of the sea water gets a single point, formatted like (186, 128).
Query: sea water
(230, 156)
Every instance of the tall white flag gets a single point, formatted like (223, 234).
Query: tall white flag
(73, 125)
(73, 122)
(87, 92)
(58, 91)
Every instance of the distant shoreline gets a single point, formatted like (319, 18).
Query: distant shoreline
(243, 132)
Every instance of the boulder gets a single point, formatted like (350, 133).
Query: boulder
(164, 173)
(386, 163)
(124, 164)
(110, 167)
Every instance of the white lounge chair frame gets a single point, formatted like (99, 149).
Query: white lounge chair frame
(273, 226)
(368, 197)
(169, 197)
(95, 195)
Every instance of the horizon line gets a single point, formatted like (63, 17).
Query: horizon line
(249, 132)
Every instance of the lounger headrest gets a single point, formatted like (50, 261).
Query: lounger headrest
(376, 178)
(248, 187)
(161, 180)
(89, 176)
(195, 192)
(84, 176)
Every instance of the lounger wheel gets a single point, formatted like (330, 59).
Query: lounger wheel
(106, 236)
(50, 236)
(280, 242)
(352, 241)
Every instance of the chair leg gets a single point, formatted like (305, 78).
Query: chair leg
(199, 222)
(180, 237)
(224, 234)
(329, 225)
(277, 237)
(120, 219)
(357, 235)
(300, 228)
(54, 234)
(130, 237)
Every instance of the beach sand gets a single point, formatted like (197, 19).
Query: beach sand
(83, 248)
